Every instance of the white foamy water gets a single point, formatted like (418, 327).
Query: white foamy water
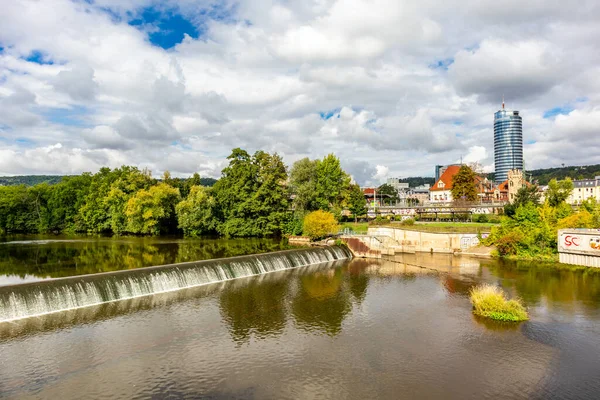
(45, 297)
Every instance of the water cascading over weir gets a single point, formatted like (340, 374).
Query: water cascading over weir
(50, 296)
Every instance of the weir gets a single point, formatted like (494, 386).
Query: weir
(45, 297)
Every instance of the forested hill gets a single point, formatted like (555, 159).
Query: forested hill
(540, 176)
(29, 180)
(32, 180)
(543, 176)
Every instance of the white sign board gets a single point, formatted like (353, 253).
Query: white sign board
(584, 242)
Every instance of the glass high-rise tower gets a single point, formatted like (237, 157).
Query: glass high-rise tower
(508, 142)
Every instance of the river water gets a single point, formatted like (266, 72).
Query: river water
(30, 258)
(352, 329)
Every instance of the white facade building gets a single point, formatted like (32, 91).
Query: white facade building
(585, 189)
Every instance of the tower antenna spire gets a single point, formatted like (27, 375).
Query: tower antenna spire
(503, 101)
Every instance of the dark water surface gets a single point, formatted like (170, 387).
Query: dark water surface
(360, 329)
(36, 257)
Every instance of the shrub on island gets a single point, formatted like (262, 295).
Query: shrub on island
(489, 301)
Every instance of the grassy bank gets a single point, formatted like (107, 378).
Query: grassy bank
(443, 227)
(489, 301)
(548, 258)
(358, 227)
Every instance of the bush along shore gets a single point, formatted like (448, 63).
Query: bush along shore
(490, 302)
(529, 229)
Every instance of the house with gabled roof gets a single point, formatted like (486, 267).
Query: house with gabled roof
(487, 191)
(441, 191)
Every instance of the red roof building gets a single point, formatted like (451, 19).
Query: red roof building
(487, 191)
(445, 181)
(441, 191)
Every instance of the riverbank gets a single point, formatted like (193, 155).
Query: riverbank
(384, 240)
(455, 238)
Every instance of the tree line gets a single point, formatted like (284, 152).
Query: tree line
(256, 195)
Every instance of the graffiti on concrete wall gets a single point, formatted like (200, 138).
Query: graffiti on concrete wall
(480, 210)
(469, 241)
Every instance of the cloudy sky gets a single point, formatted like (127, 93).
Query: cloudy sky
(392, 87)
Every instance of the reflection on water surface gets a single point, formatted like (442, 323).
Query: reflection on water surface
(38, 257)
(346, 330)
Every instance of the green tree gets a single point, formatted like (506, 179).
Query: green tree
(528, 194)
(525, 194)
(128, 182)
(103, 207)
(356, 201)
(65, 200)
(331, 183)
(303, 184)
(23, 209)
(592, 206)
(463, 185)
(185, 186)
(152, 211)
(271, 199)
(558, 191)
(252, 196)
(391, 194)
(38, 198)
(195, 214)
(319, 224)
(582, 219)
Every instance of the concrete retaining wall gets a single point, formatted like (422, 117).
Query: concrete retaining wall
(363, 246)
(409, 241)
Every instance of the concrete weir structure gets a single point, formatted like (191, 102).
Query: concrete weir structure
(579, 247)
(386, 241)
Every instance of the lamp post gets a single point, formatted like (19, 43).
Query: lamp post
(375, 202)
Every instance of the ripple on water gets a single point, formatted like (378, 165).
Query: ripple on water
(349, 333)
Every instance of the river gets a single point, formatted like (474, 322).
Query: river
(349, 329)
(30, 258)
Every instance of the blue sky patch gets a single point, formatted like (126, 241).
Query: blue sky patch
(24, 142)
(442, 64)
(531, 142)
(553, 112)
(166, 27)
(67, 116)
(329, 114)
(181, 146)
(169, 27)
(38, 57)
